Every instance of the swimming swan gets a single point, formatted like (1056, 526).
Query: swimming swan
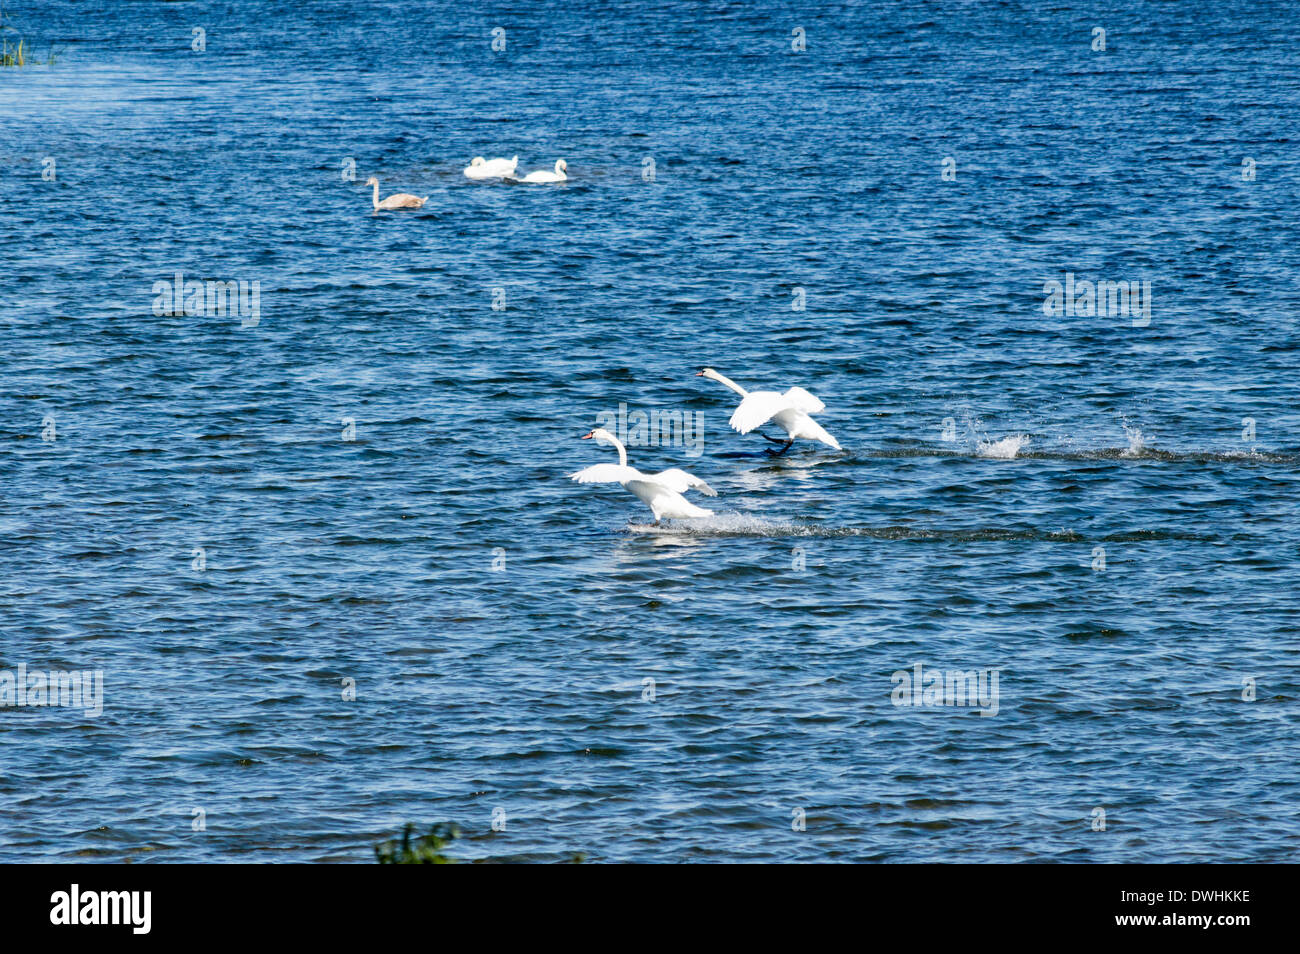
(480, 168)
(398, 200)
(789, 411)
(661, 492)
(541, 175)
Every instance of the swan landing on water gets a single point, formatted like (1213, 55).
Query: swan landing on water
(661, 492)
(398, 200)
(789, 411)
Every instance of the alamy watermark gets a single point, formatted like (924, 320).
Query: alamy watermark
(923, 686)
(1103, 299)
(79, 689)
(74, 907)
(656, 428)
(210, 299)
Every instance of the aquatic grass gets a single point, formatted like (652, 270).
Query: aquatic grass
(13, 59)
(19, 54)
(426, 850)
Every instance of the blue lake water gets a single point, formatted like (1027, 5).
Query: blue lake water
(375, 469)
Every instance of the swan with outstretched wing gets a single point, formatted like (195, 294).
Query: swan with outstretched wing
(661, 492)
(791, 411)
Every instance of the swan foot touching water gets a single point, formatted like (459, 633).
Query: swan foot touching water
(791, 411)
(661, 492)
(785, 445)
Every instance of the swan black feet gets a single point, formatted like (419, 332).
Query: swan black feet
(785, 445)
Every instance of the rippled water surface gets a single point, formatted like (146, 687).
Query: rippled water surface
(1103, 511)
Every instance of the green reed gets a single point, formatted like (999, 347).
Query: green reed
(19, 54)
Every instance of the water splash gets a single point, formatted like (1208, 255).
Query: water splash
(1005, 449)
(726, 523)
(1137, 441)
(1141, 450)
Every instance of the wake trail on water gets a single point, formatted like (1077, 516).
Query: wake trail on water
(736, 524)
(978, 443)
(1012, 448)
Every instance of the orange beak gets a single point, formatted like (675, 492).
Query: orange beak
(587, 437)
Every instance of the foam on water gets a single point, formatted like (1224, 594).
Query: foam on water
(722, 523)
(734, 524)
(1137, 441)
(1005, 449)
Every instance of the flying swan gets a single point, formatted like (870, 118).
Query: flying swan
(398, 200)
(541, 175)
(661, 492)
(790, 411)
(480, 168)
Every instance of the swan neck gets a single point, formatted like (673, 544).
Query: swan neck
(622, 451)
(732, 384)
(374, 199)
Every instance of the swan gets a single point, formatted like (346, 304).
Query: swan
(398, 200)
(480, 168)
(541, 175)
(661, 492)
(790, 411)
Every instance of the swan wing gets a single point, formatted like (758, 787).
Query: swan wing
(402, 200)
(757, 409)
(679, 481)
(801, 399)
(811, 430)
(605, 474)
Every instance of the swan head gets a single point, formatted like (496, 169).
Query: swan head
(601, 435)
(707, 373)
(477, 161)
(372, 181)
(561, 166)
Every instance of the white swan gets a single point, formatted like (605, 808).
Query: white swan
(790, 411)
(661, 492)
(398, 200)
(541, 175)
(480, 168)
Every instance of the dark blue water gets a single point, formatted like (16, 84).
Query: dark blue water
(499, 620)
